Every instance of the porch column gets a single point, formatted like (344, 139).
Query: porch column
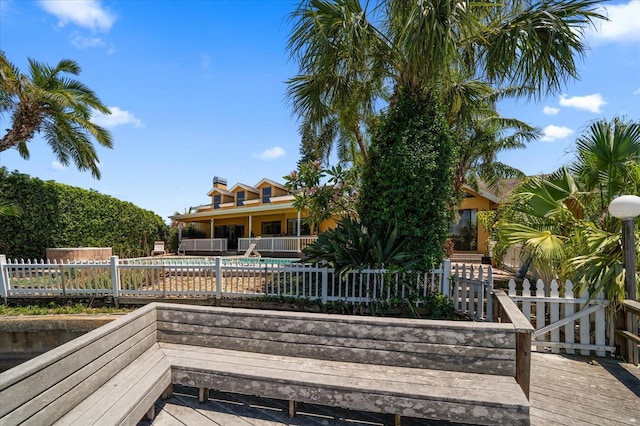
(250, 227)
(211, 229)
(298, 239)
(179, 231)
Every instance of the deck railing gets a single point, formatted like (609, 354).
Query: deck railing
(630, 335)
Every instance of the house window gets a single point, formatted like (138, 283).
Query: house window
(272, 228)
(465, 232)
(240, 198)
(266, 195)
(216, 201)
(292, 227)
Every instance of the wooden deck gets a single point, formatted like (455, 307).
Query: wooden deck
(565, 390)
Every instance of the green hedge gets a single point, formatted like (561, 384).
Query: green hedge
(57, 215)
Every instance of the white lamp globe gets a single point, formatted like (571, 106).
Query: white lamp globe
(625, 207)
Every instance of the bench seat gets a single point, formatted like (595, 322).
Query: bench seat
(128, 396)
(413, 392)
(447, 370)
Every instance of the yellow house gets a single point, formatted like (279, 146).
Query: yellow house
(468, 237)
(263, 215)
(237, 217)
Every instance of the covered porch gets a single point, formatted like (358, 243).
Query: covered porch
(272, 229)
(272, 245)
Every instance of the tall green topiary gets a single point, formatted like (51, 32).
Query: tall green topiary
(408, 178)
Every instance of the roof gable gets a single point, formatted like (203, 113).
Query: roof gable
(242, 186)
(269, 182)
(220, 191)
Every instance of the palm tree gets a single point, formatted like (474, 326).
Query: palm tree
(317, 143)
(481, 133)
(607, 159)
(60, 108)
(561, 220)
(342, 69)
(354, 57)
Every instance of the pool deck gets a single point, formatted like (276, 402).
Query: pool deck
(565, 390)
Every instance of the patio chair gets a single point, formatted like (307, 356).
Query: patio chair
(251, 251)
(158, 248)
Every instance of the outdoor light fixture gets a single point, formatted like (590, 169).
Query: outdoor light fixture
(627, 208)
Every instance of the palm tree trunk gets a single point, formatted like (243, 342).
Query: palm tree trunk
(24, 125)
(361, 142)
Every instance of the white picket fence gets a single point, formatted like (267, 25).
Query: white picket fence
(472, 290)
(210, 278)
(564, 321)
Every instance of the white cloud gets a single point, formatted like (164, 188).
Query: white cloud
(82, 42)
(637, 92)
(547, 110)
(84, 13)
(118, 117)
(590, 103)
(623, 24)
(272, 153)
(56, 165)
(552, 133)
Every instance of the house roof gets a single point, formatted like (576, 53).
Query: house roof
(245, 187)
(500, 193)
(221, 191)
(231, 212)
(272, 183)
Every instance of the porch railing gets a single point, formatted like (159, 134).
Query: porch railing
(203, 245)
(277, 244)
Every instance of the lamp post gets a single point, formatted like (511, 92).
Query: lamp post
(627, 208)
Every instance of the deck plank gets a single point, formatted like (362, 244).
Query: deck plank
(569, 390)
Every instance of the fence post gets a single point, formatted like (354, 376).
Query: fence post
(219, 278)
(325, 284)
(115, 279)
(489, 294)
(4, 284)
(445, 278)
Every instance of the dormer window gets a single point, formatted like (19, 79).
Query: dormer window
(240, 198)
(266, 195)
(216, 201)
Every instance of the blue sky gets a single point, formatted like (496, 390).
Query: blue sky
(197, 89)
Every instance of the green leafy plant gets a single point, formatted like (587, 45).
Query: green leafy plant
(561, 220)
(352, 246)
(408, 178)
(323, 193)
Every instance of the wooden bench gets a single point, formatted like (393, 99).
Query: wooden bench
(112, 375)
(450, 370)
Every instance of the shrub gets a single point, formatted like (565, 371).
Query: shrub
(57, 215)
(351, 246)
(407, 180)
